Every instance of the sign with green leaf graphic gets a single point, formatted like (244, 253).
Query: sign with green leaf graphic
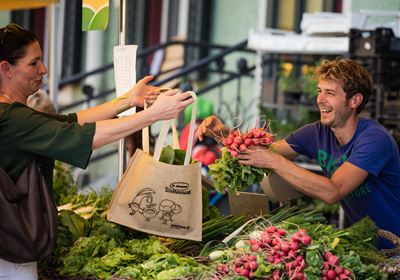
(95, 14)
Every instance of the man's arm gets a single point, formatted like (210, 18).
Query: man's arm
(345, 179)
(283, 148)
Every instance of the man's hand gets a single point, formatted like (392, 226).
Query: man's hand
(211, 126)
(258, 156)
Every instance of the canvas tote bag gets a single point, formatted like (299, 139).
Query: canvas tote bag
(160, 198)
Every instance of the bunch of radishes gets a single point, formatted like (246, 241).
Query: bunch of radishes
(236, 141)
(245, 265)
(332, 269)
(284, 249)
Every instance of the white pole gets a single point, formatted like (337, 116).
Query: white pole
(53, 73)
(258, 72)
(164, 21)
(60, 37)
(122, 142)
(183, 18)
(347, 7)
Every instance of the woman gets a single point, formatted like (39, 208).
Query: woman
(27, 134)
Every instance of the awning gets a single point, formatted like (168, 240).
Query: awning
(24, 4)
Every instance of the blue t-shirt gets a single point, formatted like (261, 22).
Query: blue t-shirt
(372, 149)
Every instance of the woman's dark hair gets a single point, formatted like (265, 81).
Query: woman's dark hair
(13, 42)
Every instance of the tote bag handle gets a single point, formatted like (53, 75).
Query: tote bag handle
(146, 137)
(164, 132)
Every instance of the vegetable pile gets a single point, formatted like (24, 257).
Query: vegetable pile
(228, 174)
(286, 243)
(297, 248)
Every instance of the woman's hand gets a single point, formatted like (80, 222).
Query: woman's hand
(151, 97)
(142, 92)
(170, 103)
(211, 126)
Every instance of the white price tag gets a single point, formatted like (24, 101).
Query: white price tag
(125, 71)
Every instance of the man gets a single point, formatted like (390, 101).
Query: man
(359, 158)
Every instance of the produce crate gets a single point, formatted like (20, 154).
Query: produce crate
(249, 204)
(277, 189)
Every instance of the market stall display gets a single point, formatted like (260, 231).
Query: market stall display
(287, 240)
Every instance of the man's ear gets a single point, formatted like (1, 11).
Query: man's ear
(356, 100)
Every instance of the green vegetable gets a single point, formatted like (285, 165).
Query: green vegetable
(145, 248)
(77, 225)
(230, 175)
(167, 154)
(172, 156)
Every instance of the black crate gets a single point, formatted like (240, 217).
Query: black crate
(366, 43)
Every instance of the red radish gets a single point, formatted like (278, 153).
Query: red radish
(285, 247)
(306, 240)
(246, 265)
(331, 275)
(248, 142)
(327, 255)
(253, 265)
(339, 270)
(238, 140)
(237, 269)
(252, 257)
(333, 260)
(271, 229)
(255, 247)
(228, 141)
(256, 134)
(251, 275)
(277, 260)
(242, 147)
(281, 232)
(294, 245)
(244, 272)
(302, 231)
